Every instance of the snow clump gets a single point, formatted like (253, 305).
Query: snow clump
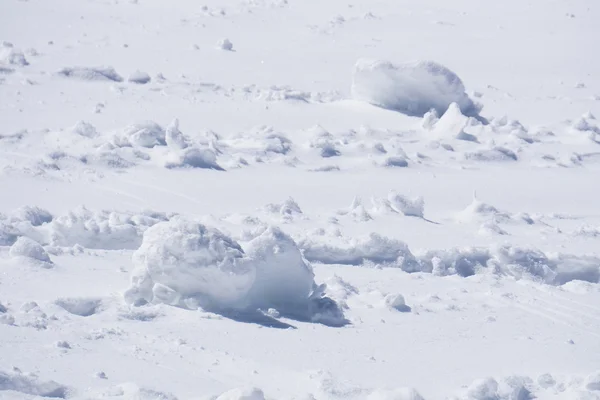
(182, 262)
(412, 88)
(91, 73)
(30, 250)
(139, 77)
(225, 44)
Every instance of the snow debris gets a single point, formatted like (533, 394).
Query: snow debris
(91, 73)
(9, 55)
(242, 394)
(193, 157)
(407, 206)
(103, 229)
(84, 129)
(25, 248)
(144, 134)
(412, 88)
(174, 138)
(36, 216)
(225, 44)
(395, 394)
(397, 302)
(356, 251)
(29, 384)
(183, 260)
(288, 210)
(139, 77)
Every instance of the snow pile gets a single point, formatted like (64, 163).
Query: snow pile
(31, 251)
(9, 55)
(183, 259)
(30, 384)
(85, 129)
(413, 88)
(193, 157)
(36, 216)
(91, 73)
(184, 263)
(144, 134)
(242, 394)
(104, 229)
(225, 44)
(288, 210)
(395, 394)
(407, 206)
(139, 77)
(520, 263)
(183, 154)
(357, 251)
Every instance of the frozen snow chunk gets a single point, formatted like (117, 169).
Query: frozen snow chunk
(397, 302)
(395, 394)
(84, 129)
(81, 306)
(288, 210)
(29, 384)
(483, 389)
(409, 207)
(225, 44)
(174, 138)
(144, 134)
(452, 123)
(30, 249)
(12, 56)
(242, 394)
(139, 77)
(192, 260)
(493, 154)
(91, 73)
(8, 233)
(592, 381)
(356, 251)
(283, 279)
(357, 211)
(412, 88)
(36, 216)
(395, 161)
(193, 157)
(108, 230)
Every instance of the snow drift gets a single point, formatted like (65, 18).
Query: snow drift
(412, 88)
(184, 263)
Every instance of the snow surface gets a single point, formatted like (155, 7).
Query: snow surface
(275, 199)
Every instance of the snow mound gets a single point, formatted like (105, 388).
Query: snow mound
(520, 263)
(183, 259)
(283, 279)
(592, 381)
(242, 394)
(109, 230)
(29, 384)
(34, 215)
(288, 210)
(31, 250)
(12, 56)
(357, 251)
(144, 134)
(139, 77)
(225, 44)
(91, 73)
(395, 394)
(84, 129)
(193, 157)
(184, 263)
(407, 206)
(83, 307)
(413, 88)
(397, 302)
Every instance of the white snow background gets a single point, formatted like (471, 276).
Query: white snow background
(285, 199)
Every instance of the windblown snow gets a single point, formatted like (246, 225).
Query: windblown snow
(284, 199)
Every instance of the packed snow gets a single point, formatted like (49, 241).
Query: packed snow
(279, 199)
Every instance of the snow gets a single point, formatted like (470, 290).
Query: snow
(413, 88)
(267, 199)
